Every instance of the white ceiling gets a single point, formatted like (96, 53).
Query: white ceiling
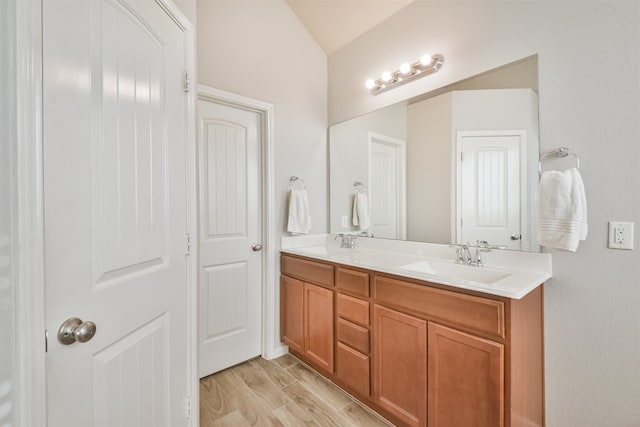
(334, 23)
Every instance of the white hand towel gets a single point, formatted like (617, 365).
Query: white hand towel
(299, 221)
(360, 215)
(562, 210)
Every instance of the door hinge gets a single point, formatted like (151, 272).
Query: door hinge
(46, 341)
(187, 82)
(461, 157)
(187, 407)
(188, 244)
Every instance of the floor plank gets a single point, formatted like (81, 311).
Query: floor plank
(319, 411)
(280, 392)
(275, 371)
(261, 386)
(232, 419)
(293, 415)
(323, 389)
(360, 416)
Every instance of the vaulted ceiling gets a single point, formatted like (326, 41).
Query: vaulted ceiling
(334, 23)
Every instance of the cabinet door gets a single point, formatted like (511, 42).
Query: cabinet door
(466, 379)
(291, 313)
(400, 365)
(352, 367)
(318, 326)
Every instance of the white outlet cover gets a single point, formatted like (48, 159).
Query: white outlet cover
(621, 235)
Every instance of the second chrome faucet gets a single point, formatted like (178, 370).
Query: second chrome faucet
(465, 256)
(347, 240)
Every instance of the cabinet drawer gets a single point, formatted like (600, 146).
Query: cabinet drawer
(353, 309)
(352, 367)
(471, 312)
(351, 281)
(353, 335)
(309, 271)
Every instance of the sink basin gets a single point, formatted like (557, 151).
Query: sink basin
(456, 271)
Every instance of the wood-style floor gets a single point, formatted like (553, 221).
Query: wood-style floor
(281, 392)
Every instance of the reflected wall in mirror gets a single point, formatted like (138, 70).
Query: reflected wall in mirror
(455, 165)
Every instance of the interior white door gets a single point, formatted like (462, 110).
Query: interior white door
(489, 204)
(386, 187)
(230, 276)
(114, 113)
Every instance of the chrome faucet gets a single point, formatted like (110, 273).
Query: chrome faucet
(464, 255)
(347, 240)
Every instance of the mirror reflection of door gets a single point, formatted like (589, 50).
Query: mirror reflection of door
(489, 179)
(387, 171)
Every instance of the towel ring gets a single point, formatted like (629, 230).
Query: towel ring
(560, 152)
(358, 186)
(294, 179)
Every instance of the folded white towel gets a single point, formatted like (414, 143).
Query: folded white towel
(299, 221)
(562, 210)
(360, 215)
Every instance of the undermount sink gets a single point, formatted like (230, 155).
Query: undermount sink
(456, 271)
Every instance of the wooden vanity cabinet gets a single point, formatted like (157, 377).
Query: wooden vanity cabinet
(419, 353)
(307, 319)
(483, 359)
(428, 374)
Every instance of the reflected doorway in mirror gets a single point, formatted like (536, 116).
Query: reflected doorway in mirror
(387, 181)
(490, 171)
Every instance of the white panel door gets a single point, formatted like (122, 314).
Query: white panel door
(115, 203)
(386, 187)
(490, 189)
(230, 277)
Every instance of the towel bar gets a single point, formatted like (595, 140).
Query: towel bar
(560, 152)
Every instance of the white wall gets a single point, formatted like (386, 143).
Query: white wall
(589, 92)
(259, 49)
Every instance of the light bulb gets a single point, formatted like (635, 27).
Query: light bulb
(426, 59)
(370, 84)
(386, 76)
(405, 68)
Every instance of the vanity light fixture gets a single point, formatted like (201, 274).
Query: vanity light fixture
(427, 64)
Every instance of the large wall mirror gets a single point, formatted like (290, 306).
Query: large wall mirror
(455, 165)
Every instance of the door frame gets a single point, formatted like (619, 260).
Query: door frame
(30, 309)
(268, 301)
(401, 148)
(31, 404)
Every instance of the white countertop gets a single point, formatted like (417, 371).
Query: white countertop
(505, 273)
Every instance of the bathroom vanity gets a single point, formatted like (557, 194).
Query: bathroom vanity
(415, 336)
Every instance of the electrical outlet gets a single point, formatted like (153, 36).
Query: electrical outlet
(620, 235)
(345, 221)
